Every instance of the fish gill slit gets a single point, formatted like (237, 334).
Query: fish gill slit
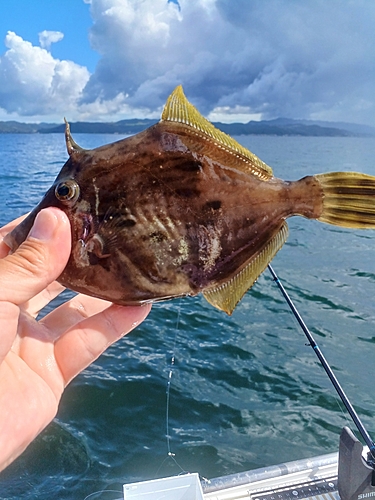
(97, 200)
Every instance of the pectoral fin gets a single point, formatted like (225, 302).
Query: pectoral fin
(227, 295)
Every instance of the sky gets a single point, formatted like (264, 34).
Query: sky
(238, 60)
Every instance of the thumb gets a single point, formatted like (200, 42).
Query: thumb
(39, 260)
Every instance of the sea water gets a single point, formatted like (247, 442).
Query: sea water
(245, 391)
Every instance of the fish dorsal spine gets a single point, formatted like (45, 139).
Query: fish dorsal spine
(179, 110)
(71, 145)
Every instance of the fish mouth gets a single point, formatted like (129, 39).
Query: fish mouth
(19, 234)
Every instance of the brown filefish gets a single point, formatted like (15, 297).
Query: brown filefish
(182, 208)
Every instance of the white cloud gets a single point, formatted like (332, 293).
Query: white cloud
(238, 114)
(132, 38)
(34, 86)
(114, 109)
(32, 82)
(46, 38)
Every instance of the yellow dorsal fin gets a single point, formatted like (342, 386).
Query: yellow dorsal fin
(179, 110)
(227, 295)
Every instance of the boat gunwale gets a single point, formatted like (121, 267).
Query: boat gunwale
(274, 471)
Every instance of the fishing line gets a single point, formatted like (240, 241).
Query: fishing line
(169, 382)
(170, 454)
(361, 428)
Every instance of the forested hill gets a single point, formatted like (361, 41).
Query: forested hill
(280, 126)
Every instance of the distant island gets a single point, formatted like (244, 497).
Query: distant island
(279, 126)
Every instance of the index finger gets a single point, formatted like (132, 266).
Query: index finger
(87, 339)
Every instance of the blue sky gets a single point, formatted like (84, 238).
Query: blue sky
(237, 59)
(71, 17)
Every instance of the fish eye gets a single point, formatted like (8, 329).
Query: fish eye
(67, 191)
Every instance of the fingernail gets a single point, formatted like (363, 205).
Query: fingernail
(44, 225)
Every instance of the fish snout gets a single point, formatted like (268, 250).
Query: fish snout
(18, 235)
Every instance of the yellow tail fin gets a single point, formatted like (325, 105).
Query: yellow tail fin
(348, 199)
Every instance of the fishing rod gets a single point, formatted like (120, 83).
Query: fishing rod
(361, 428)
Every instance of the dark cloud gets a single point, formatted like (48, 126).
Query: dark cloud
(278, 58)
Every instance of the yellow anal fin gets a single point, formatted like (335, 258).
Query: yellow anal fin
(179, 110)
(348, 199)
(227, 295)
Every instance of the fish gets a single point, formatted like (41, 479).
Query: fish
(182, 208)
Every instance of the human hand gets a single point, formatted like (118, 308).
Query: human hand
(39, 358)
